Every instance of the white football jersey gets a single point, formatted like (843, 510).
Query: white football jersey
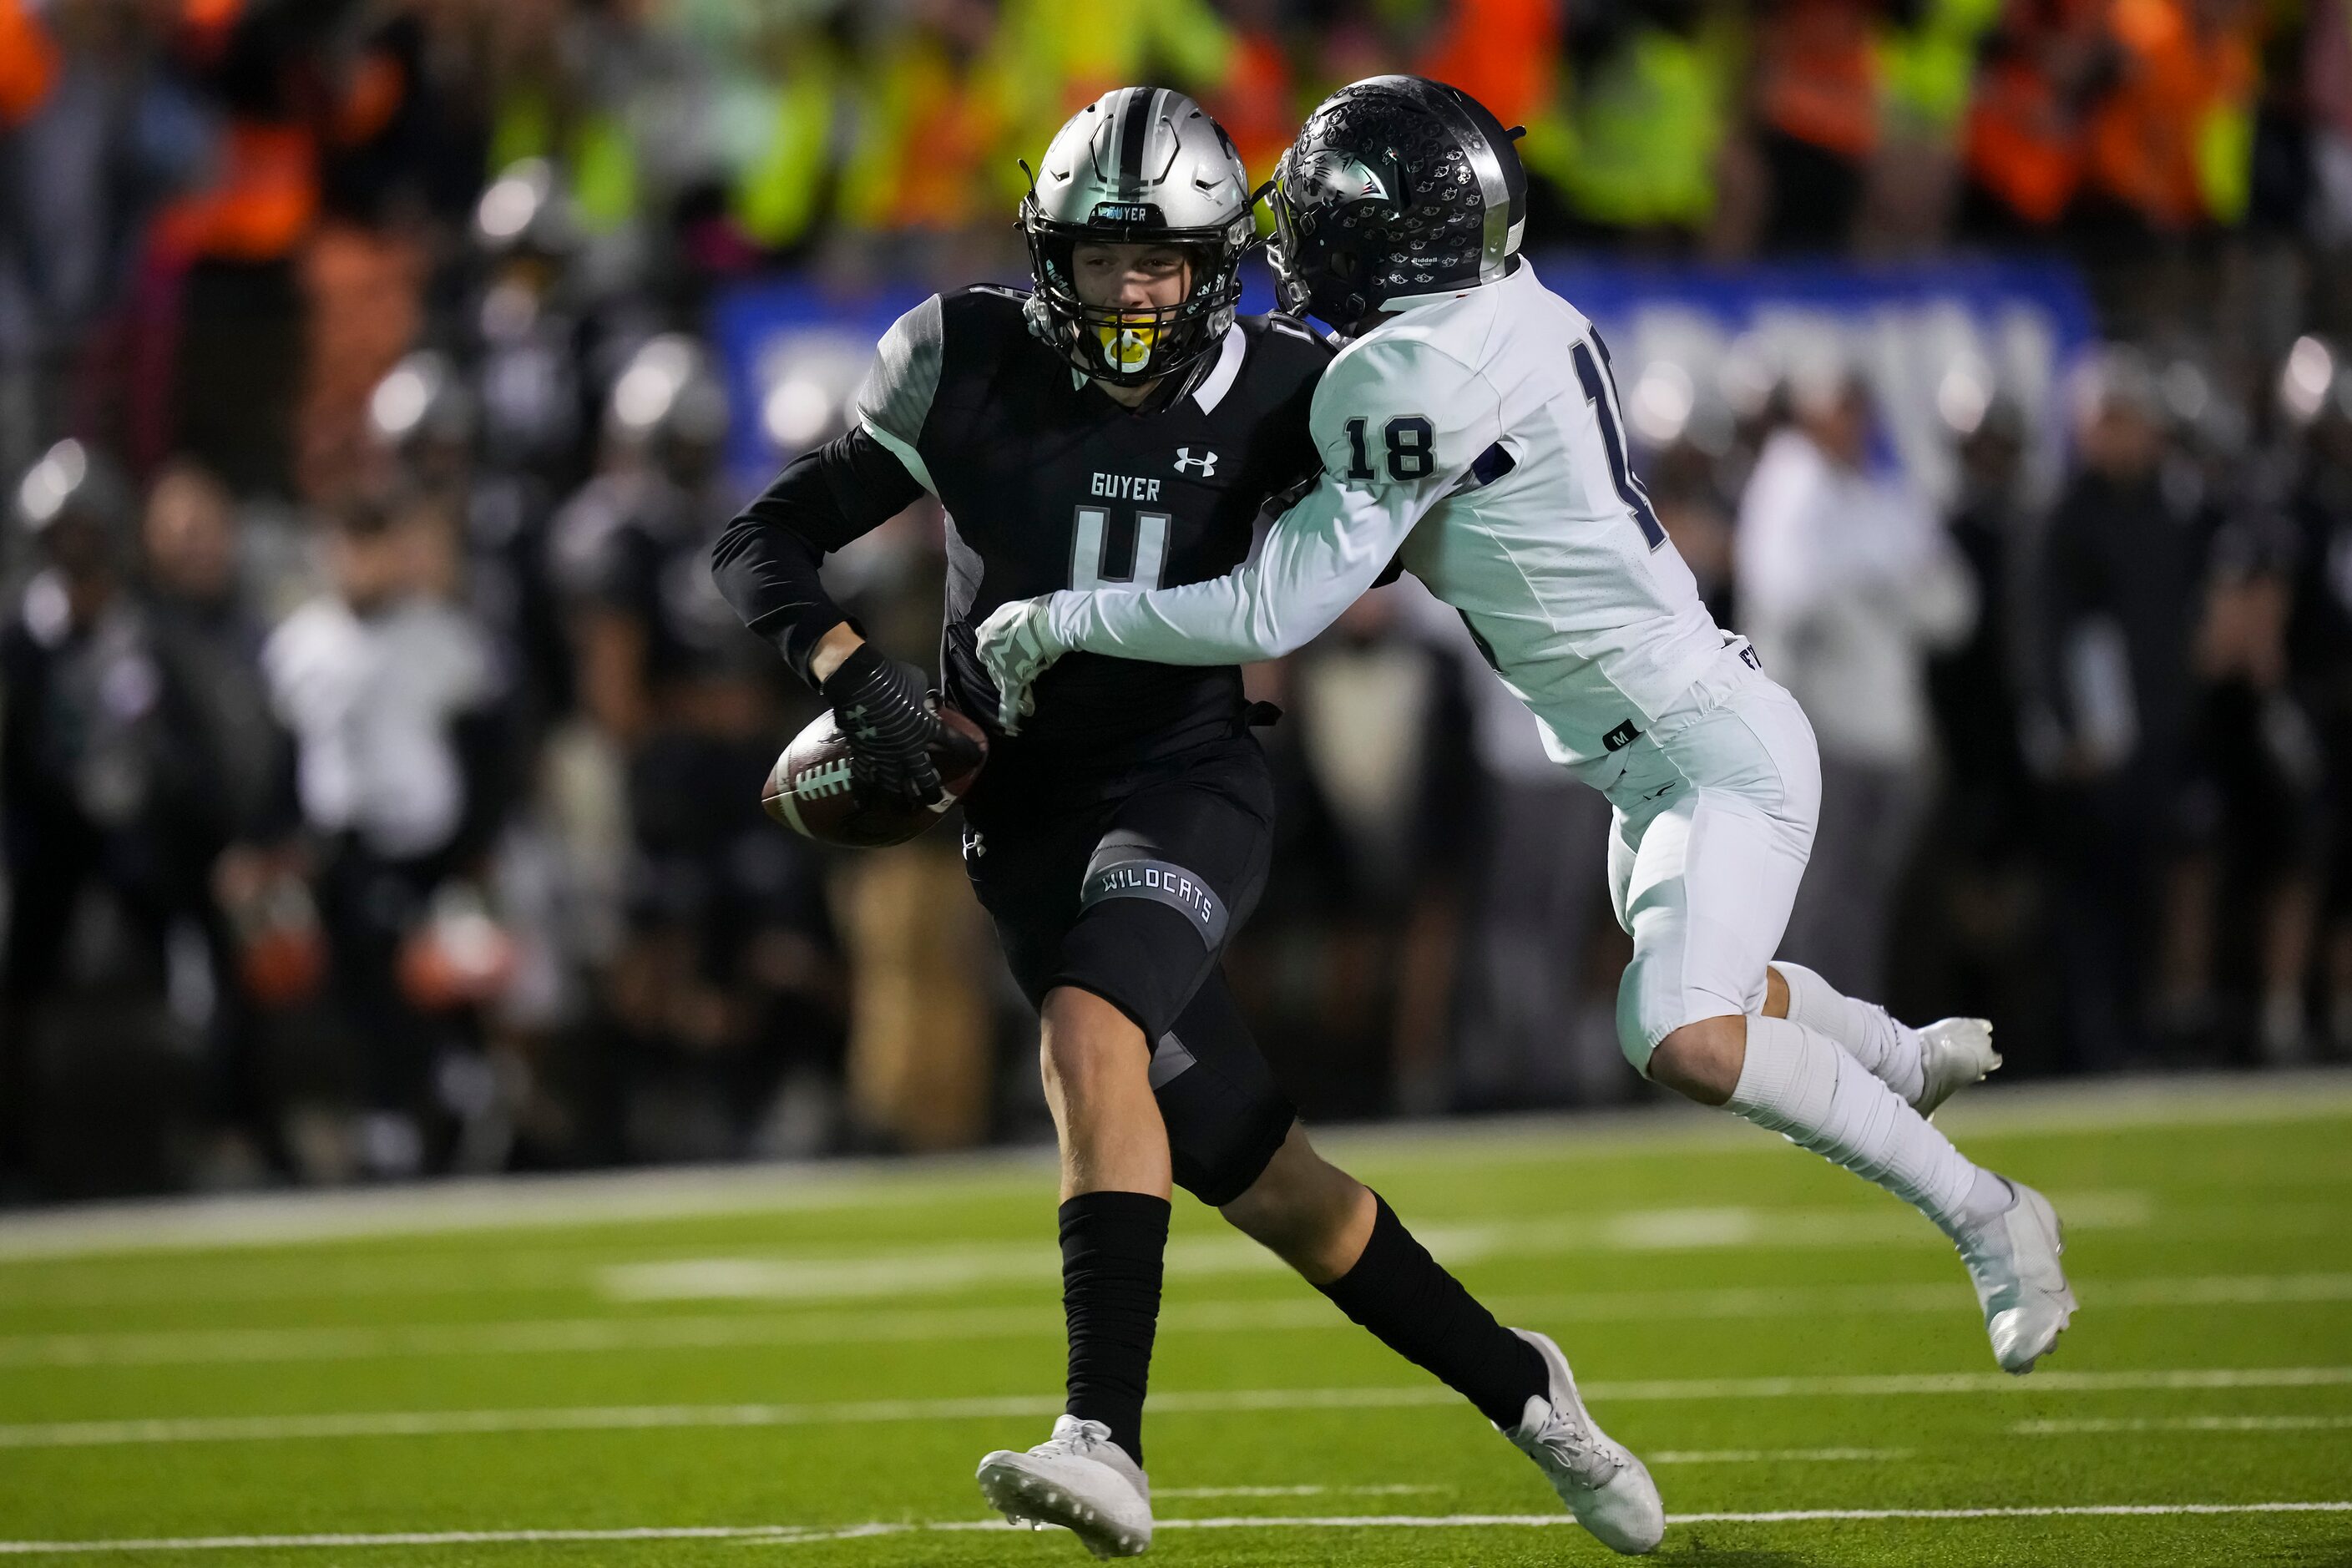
(1480, 433)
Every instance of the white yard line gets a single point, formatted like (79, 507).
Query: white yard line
(1161, 1494)
(784, 1534)
(1024, 1266)
(560, 1336)
(2184, 1424)
(629, 1197)
(426, 1538)
(1871, 1385)
(949, 1271)
(1776, 1455)
(2079, 1510)
(316, 1276)
(649, 1417)
(1659, 1456)
(448, 1422)
(506, 1203)
(812, 1276)
(2220, 1290)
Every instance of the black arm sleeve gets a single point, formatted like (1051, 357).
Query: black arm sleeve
(766, 561)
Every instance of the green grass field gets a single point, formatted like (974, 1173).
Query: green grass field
(803, 1366)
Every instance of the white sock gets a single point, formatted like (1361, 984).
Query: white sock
(1798, 1083)
(1870, 1034)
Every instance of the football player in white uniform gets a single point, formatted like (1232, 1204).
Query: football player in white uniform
(1472, 424)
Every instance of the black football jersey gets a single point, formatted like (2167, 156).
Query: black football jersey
(1049, 484)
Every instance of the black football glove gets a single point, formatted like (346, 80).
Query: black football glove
(892, 724)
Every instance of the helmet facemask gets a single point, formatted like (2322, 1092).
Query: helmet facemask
(1320, 213)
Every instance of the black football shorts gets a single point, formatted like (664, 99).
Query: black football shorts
(1133, 898)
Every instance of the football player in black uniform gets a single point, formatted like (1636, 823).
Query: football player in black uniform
(1118, 425)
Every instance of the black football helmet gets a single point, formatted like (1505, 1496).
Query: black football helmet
(1139, 166)
(1398, 186)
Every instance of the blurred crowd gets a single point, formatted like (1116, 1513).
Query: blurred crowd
(380, 770)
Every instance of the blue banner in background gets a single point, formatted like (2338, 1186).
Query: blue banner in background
(1612, 293)
(794, 352)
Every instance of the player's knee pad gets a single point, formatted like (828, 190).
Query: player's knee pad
(1224, 1129)
(1225, 1114)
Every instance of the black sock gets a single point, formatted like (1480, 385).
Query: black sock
(1422, 1312)
(1113, 1246)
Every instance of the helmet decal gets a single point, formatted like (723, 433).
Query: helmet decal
(1329, 175)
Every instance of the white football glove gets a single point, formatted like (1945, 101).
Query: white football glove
(1016, 646)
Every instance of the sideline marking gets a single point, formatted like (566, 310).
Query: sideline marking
(559, 1336)
(787, 1534)
(650, 1417)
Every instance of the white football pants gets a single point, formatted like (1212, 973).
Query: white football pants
(1714, 808)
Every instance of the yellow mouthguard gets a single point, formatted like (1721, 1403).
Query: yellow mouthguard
(1128, 347)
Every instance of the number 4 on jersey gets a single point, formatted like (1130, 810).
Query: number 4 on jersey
(1600, 391)
(1093, 544)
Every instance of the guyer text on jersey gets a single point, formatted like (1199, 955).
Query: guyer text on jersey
(1126, 487)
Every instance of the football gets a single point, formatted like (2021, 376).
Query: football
(811, 791)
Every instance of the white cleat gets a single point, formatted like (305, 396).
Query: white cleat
(1080, 1479)
(2014, 1258)
(1604, 1486)
(1953, 1053)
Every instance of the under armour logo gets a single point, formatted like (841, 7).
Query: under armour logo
(974, 847)
(1206, 463)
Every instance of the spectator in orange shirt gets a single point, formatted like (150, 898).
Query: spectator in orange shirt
(240, 354)
(2042, 73)
(2170, 142)
(1816, 107)
(28, 63)
(1504, 53)
(1257, 102)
